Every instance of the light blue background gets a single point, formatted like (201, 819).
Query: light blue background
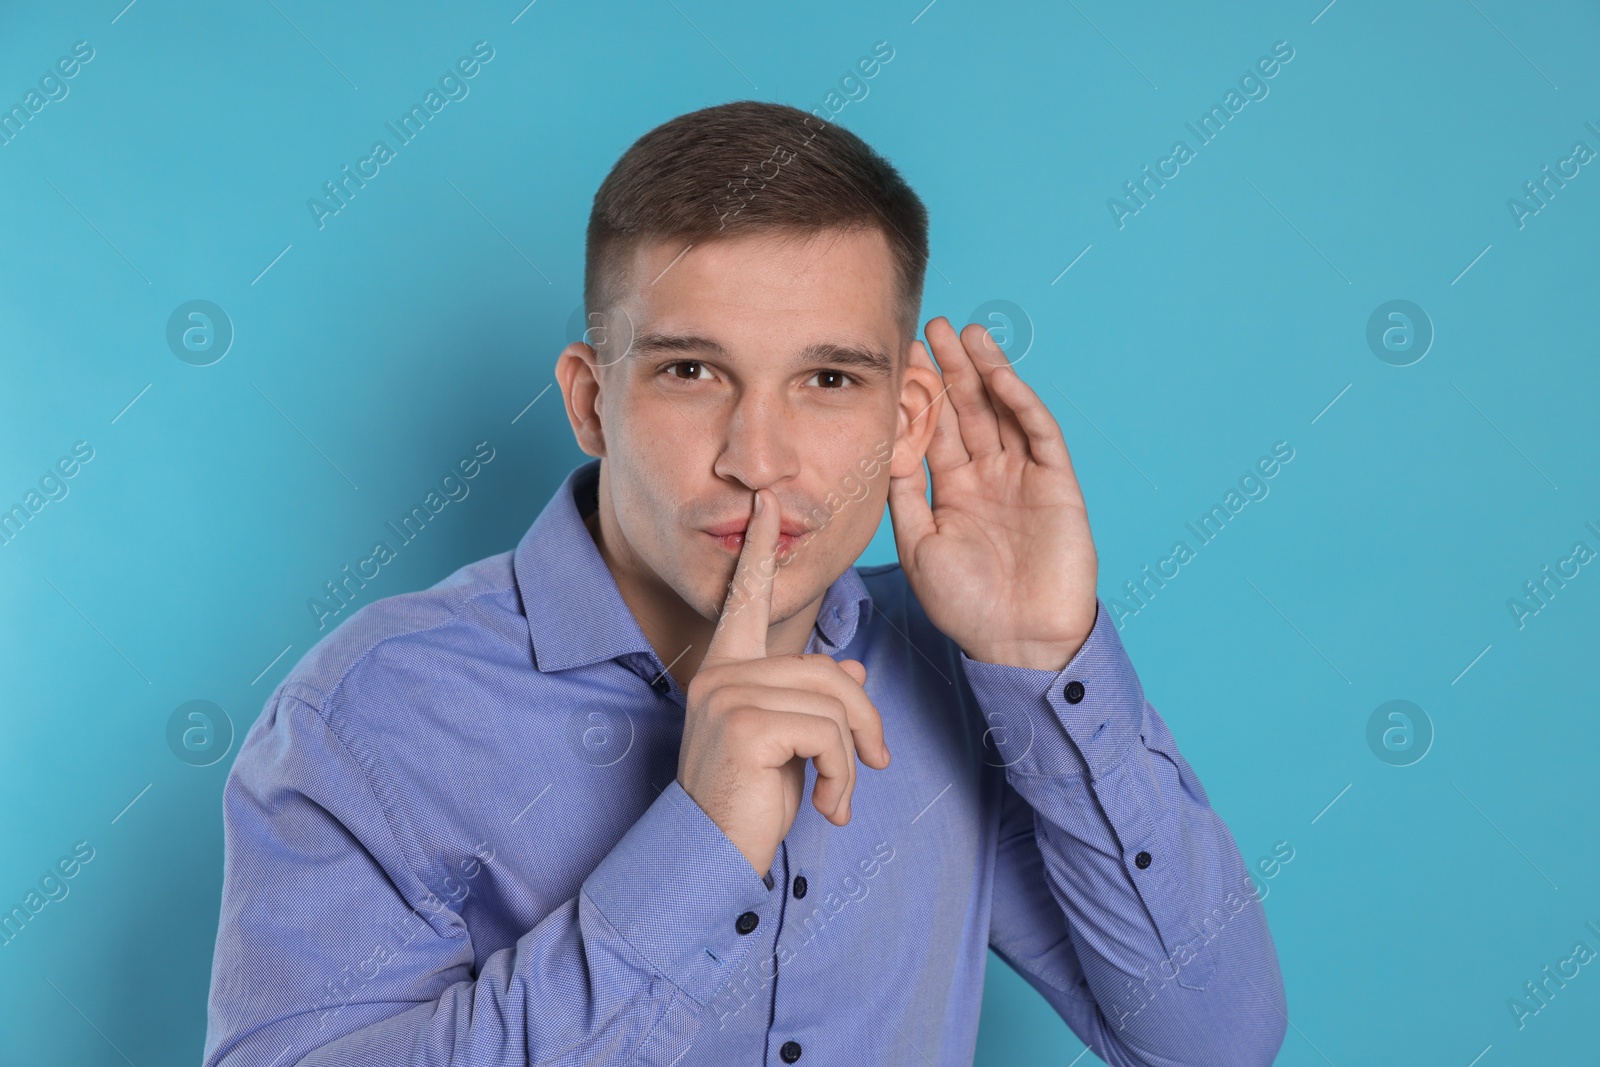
(1228, 314)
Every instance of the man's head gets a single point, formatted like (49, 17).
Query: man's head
(744, 168)
(753, 283)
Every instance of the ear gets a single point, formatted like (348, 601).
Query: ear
(921, 398)
(578, 372)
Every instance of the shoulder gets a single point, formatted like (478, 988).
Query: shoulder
(412, 643)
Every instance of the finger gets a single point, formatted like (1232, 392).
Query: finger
(741, 693)
(975, 417)
(1045, 440)
(823, 674)
(793, 733)
(741, 632)
(945, 449)
(800, 701)
(989, 360)
(909, 512)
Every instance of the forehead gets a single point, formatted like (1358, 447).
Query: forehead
(765, 284)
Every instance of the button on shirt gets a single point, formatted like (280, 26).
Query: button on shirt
(455, 836)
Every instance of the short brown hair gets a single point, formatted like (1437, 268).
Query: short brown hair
(748, 167)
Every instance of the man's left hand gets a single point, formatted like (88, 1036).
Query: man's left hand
(1002, 561)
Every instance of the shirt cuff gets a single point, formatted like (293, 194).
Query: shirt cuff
(1083, 718)
(675, 887)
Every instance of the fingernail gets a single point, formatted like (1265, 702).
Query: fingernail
(758, 502)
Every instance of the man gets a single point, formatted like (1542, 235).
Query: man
(553, 809)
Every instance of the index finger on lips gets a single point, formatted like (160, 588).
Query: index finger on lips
(741, 632)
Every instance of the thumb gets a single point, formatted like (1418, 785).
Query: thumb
(909, 511)
(742, 629)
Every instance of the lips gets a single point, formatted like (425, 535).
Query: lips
(734, 543)
(786, 528)
(730, 534)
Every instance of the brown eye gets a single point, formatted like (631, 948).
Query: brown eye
(688, 369)
(831, 379)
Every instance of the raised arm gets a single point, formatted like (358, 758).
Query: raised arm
(1123, 838)
(1120, 894)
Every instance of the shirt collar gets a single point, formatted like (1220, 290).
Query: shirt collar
(576, 614)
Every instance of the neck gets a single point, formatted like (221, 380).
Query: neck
(679, 634)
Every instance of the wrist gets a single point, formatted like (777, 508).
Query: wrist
(1033, 655)
(1044, 654)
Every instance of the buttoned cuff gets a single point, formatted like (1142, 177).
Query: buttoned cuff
(1083, 718)
(678, 890)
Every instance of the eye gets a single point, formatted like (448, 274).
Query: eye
(832, 379)
(689, 370)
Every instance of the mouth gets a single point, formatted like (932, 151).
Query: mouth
(735, 543)
(730, 537)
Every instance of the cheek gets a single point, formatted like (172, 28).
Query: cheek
(645, 495)
(654, 457)
(648, 484)
(852, 496)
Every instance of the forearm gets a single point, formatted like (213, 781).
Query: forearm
(1177, 953)
(1172, 943)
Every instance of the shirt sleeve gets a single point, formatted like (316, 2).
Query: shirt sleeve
(1119, 893)
(332, 950)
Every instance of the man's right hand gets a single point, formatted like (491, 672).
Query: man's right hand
(752, 720)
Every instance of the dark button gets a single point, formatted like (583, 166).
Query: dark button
(799, 886)
(1142, 860)
(747, 922)
(1074, 691)
(790, 1051)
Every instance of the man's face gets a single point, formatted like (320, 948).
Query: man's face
(766, 361)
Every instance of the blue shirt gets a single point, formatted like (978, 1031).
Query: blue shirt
(455, 836)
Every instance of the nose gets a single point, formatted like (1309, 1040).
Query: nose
(759, 447)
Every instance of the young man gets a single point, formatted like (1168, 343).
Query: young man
(553, 809)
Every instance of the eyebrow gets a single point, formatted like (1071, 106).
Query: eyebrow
(869, 359)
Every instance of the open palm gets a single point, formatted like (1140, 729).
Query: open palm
(1002, 560)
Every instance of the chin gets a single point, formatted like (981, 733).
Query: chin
(786, 600)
